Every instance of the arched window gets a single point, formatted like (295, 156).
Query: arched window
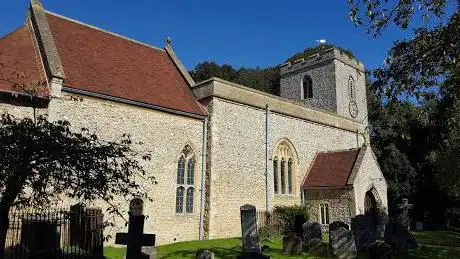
(351, 89)
(186, 164)
(181, 171)
(189, 201)
(307, 87)
(284, 176)
(275, 175)
(180, 200)
(191, 172)
(290, 176)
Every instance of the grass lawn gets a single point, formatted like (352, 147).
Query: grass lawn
(434, 244)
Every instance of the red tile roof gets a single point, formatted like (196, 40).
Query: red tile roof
(98, 61)
(330, 169)
(17, 54)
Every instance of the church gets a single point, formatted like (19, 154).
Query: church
(215, 145)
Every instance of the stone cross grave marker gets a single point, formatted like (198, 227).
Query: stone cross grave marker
(135, 239)
(402, 216)
(250, 236)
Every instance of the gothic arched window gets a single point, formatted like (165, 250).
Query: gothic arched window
(185, 188)
(284, 176)
(290, 176)
(189, 201)
(275, 175)
(307, 87)
(351, 89)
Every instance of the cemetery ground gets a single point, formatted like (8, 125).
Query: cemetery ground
(433, 244)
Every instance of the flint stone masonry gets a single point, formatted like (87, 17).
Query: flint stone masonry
(340, 203)
(330, 72)
(238, 131)
(164, 136)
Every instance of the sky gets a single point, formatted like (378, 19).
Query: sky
(249, 33)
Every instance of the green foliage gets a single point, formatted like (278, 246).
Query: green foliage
(266, 80)
(291, 217)
(376, 15)
(262, 79)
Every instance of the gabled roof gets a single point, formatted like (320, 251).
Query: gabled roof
(101, 62)
(332, 169)
(95, 61)
(17, 55)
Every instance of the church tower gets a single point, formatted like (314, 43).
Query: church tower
(330, 80)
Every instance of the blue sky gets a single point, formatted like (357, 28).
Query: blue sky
(238, 32)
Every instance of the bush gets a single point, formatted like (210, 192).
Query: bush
(292, 218)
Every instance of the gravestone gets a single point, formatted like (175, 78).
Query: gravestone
(402, 213)
(318, 247)
(397, 236)
(381, 250)
(419, 226)
(337, 224)
(40, 237)
(292, 245)
(312, 230)
(204, 254)
(135, 239)
(363, 230)
(342, 243)
(250, 236)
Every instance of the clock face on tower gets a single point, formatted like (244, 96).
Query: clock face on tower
(353, 109)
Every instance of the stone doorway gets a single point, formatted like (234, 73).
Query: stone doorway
(373, 209)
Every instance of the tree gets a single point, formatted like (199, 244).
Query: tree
(416, 66)
(44, 161)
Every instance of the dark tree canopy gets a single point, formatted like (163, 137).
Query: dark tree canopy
(263, 79)
(43, 161)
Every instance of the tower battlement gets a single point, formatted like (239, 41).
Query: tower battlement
(324, 56)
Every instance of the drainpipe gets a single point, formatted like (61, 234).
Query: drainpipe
(203, 176)
(267, 156)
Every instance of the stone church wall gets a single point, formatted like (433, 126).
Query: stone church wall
(164, 136)
(370, 176)
(237, 164)
(340, 202)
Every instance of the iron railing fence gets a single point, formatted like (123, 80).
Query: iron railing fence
(55, 233)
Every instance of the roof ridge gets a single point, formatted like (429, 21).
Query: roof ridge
(105, 31)
(340, 150)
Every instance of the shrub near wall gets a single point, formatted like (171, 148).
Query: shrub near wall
(282, 220)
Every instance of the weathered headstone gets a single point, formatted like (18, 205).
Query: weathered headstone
(342, 243)
(380, 250)
(312, 230)
(397, 236)
(318, 247)
(204, 254)
(39, 236)
(402, 213)
(135, 239)
(250, 236)
(363, 230)
(337, 224)
(292, 245)
(419, 226)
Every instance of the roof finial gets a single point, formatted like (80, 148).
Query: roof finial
(168, 41)
(36, 3)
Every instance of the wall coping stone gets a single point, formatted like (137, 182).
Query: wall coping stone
(216, 87)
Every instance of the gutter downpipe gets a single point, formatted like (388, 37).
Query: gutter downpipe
(267, 155)
(203, 176)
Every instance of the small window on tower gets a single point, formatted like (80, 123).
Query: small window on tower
(351, 89)
(307, 87)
